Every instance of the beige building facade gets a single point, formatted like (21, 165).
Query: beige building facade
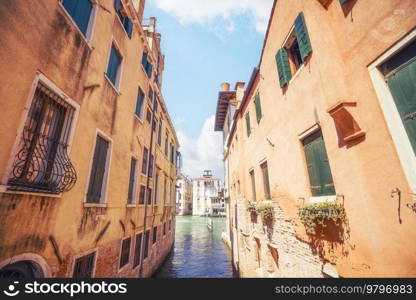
(184, 198)
(320, 156)
(88, 155)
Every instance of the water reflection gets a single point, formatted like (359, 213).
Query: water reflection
(198, 252)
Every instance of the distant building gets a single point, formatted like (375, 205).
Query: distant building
(183, 195)
(206, 200)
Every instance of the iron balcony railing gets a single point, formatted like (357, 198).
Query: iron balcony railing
(42, 163)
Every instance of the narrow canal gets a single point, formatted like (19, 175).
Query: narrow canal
(198, 252)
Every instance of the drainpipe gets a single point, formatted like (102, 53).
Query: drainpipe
(147, 189)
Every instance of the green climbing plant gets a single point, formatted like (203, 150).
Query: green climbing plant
(313, 215)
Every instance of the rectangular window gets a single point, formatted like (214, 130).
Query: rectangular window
(84, 266)
(170, 225)
(146, 64)
(253, 185)
(172, 153)
(114, 66)
(137, 250)
(149, 196)
(146, 244)
(124, 19)
(159, 134)
(139, 104)
(266, 183)
(258, 107)
(166, 144)
(132, 182)
(295, 51)
(319, 171)
(164, 229)
(248, 126)
(164, 192)
(154, 235)
(80, 11)
(148, 116)
(98, 171)
(154, 125)
(151, 95)
(142, 194)
(42, 163)
(144, 162)
(125, 252)
(156, 188)
(151, 166)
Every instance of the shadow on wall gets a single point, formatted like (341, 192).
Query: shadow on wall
(329, 237)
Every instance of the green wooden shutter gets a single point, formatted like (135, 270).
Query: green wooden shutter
(402, 85)
(258, 107)
(342, 1)
(326, 181)
(248, 124)
(312, 169)
(302, 36)
(320, 175)
(283, 67)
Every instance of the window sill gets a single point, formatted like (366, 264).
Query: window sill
(294, 76)
(140, 119)
(131, 205)
(320, 199)
(4, 189)
(112, 85)
(98, 205)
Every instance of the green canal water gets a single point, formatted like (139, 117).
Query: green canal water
(198, 252)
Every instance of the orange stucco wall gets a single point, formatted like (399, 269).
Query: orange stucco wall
(41, 38)
(345, 40)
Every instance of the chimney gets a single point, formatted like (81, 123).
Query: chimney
(225, 87)
(239, 89)
(152, 24)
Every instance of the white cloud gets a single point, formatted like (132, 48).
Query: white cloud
(204, 153)
(178, 121)
(206, 11)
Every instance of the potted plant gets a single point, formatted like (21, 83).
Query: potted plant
(320, 214)
(251, 207)
(265, 210)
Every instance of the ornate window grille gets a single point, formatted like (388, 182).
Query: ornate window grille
(42, 163)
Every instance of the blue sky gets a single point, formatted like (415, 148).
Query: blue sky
(205, 43)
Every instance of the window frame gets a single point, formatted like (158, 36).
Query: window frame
(155, 232)
(313, 199)
(88, 37)
(140, 250)
(121, 22)
(144, 195)
(401, 141)
(122, 267)
(142, 108)
(135, 183)
(266, 191)
(117, 85)
(81, 255)
(39, 78)
(104, 188)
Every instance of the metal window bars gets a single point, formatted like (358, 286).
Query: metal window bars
(42, 163)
